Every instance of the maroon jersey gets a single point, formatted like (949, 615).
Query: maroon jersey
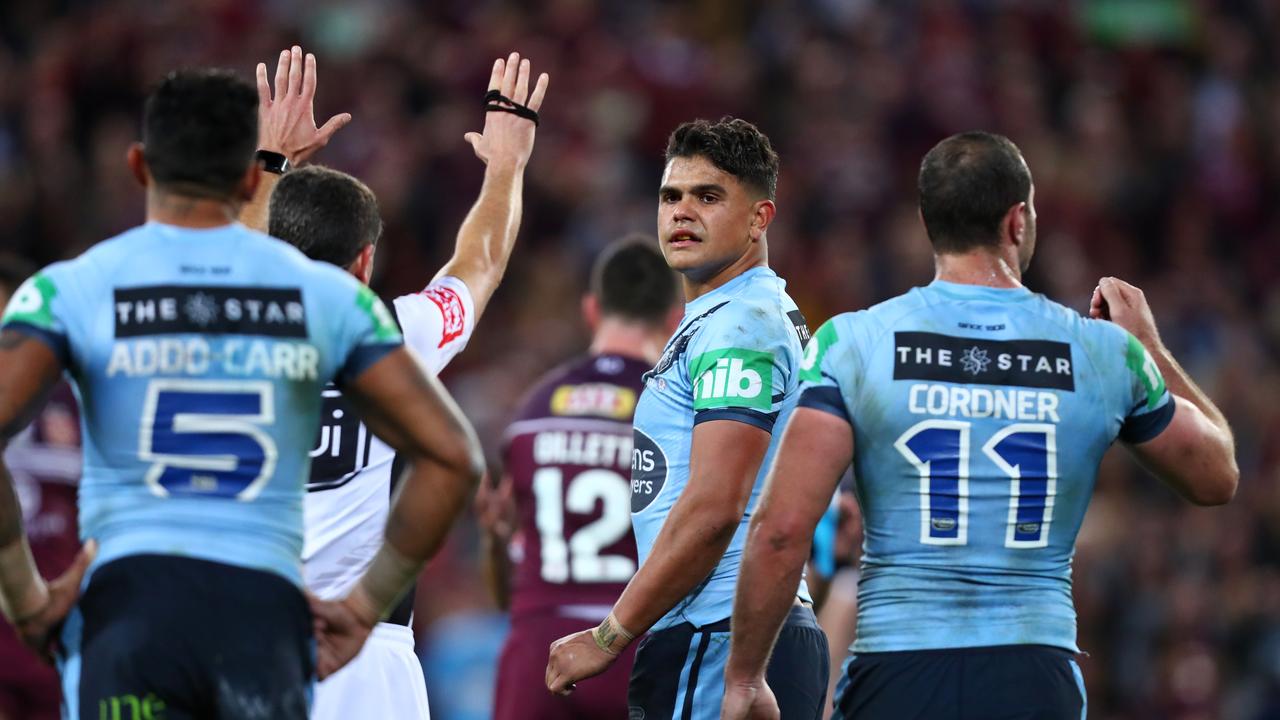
(569, 455)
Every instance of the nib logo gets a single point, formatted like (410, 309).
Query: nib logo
(732, 378)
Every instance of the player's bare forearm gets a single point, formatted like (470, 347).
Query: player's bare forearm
(488, 234)
(814, 453)
(1180, 383)
(10, 510)
(1216, 454)
(771, 568)
(29, 369)
(725, 460)
(413, 413)
(1195, 454)
(689, 546)
(429, 500)
(255, 213)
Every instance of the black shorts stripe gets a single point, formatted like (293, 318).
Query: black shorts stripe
(687, 711)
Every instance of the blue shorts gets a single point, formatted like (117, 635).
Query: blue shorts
(1006, 682)
(679, 671)
(167, 638)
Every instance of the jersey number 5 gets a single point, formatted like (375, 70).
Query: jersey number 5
(205, 438)
(579, 559)
(1027, 453)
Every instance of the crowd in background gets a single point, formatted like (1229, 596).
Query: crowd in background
(1152, 129)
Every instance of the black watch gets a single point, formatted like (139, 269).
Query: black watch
(273, 162)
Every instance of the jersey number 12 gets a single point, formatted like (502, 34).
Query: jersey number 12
(579, 558)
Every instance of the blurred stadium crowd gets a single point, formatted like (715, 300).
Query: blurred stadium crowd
(1151, 128)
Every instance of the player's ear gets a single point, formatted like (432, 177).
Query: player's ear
(362, 266)
(762, 214)
(136, 158)
(249, 182)
(1014, 225)
(591, 311)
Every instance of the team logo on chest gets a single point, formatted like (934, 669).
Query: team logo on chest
(677, 346)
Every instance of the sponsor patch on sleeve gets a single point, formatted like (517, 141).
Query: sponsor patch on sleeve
(815, 351)
(33, 303)
(1143, 366)
(452, 311)
(384, 326)
(732, 377)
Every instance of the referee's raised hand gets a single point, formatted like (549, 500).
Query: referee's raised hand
(510, 122)
(287, 119)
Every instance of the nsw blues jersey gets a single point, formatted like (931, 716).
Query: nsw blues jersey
(199, 357)
(979, 418)
(735, 356)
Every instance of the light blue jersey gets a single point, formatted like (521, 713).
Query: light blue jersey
(735, 357)
(979, 417)
(199, 357)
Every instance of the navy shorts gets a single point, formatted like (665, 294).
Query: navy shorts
(679, 671)
(1006, 682)
(167, 638)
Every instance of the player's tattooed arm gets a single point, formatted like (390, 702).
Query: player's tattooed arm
(611, 637)
(488, 233)
(287, 125)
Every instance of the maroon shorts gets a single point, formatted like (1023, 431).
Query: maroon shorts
(29, 689)
(522, 676)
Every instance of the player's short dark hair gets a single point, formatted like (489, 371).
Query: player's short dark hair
(632, 281)
(199, 131)
(328, 215)
(967, 183)
(14, 270)
(733, 145)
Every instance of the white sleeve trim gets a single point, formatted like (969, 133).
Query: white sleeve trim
(438, 321)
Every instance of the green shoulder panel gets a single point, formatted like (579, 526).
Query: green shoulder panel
(33, 303)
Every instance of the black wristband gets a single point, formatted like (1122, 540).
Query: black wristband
(273, 162)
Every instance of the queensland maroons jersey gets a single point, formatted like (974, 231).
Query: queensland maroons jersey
(199, 357)
(979, 418)
(568, 454)
(349, 491)
(735, 356)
